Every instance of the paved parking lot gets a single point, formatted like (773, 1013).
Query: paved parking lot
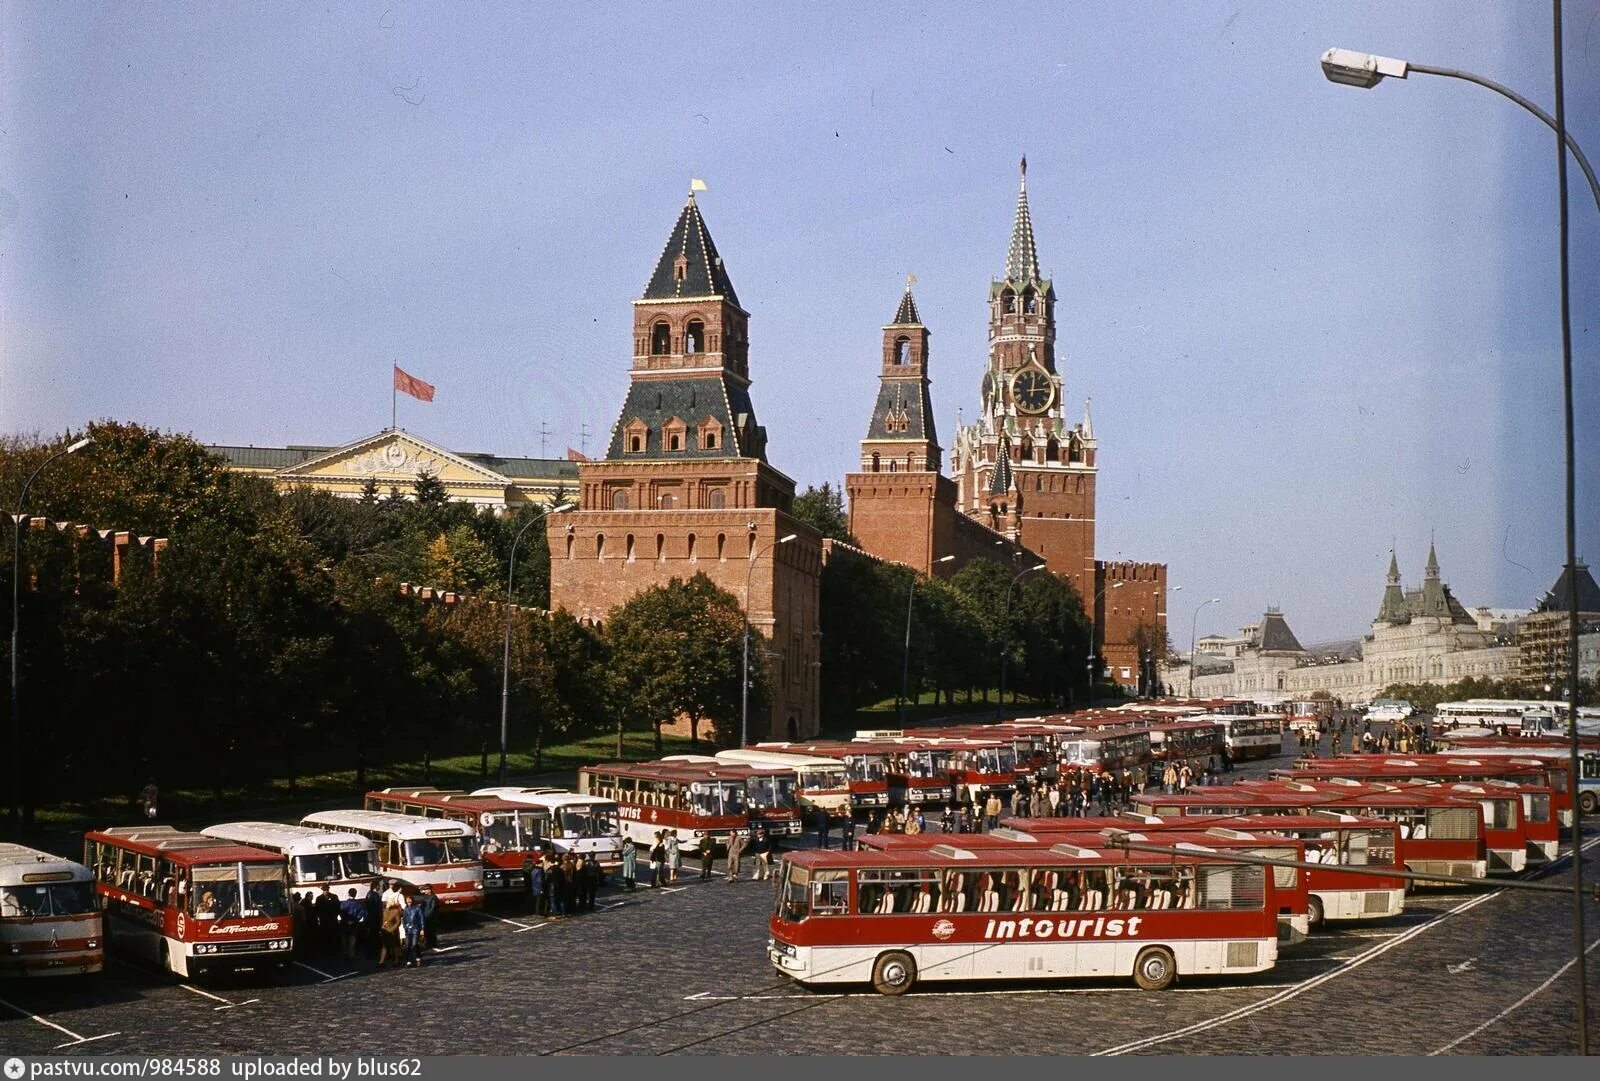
(685, 971)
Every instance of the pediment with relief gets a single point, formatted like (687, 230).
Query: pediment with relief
(393, 456)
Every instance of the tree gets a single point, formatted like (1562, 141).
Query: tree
(862, 606)
(460, 561)
(429, 491)
(823, 510)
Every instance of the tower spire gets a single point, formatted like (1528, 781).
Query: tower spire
(1022, 261)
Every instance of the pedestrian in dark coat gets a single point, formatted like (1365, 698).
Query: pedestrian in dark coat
(326, 908)
(537, 896)
(373, 924)
(591, 880)
(824, 824)
(430, 917)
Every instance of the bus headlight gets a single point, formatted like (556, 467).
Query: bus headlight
(93, 943)
(477, 885)
(16, 948)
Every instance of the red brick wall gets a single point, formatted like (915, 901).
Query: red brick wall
(1141, 597)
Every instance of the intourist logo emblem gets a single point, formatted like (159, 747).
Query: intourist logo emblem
(243, 929)
(944, 929)
(1098, 927)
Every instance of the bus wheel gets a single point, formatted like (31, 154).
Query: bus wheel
(1154, 969)
(1589, 803)
(894, 973)
(1314, 911)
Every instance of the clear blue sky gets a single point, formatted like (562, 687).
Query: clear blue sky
(1315, 321)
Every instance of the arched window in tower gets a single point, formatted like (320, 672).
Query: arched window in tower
(691, 548)
(716, 499)
(1074, 450)
(661, 547)
(628, 548)
(668, 501)
(877, 463)
(1027, 448)
(902, 350)
(675, 441)
(1052, 450)
(892, 465)
(1030, 302)
(599, 545)
(722, 547)
(660, 339)
(619, 499)
(1008, 302)
(570, 539)
(694, 337)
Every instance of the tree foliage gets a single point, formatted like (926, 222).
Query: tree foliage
(823, 510)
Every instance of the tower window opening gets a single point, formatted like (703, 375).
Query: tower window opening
(661, 547)
(619, 499)
(1030, 303)
(877, 464)
(694, 337)
(902, 351)
(716, 499)
(599, 545)
(635, 444)
(1008, 302)
(691, 548)
(668, 501)
(628, 549)
(660, 339)
(676, 442)
(722, 545)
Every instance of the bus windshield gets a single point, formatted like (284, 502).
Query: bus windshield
(332, 866)
(725, 798)
(823, 777)
(56, 899)
(431, 851)
(585, 821)
(214, 892)
(771, 792)
(509, 829)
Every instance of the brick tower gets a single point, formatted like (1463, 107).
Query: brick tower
(685, 486)
(1023, 468)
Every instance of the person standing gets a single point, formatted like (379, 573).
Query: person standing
(536, 894)
(412, 923)
(552, 872)
(823, 826)
(707, 855)
(674, 857)
(327, 909)
(658, 860)
(847, 833)
(590, 870)
(352, 914)
(372, 926)
(430, 913)
(763, 851)
(389, 943)
(736, 843)
(630, 864)
(991, 812)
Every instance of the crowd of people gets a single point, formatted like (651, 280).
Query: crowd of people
(1346, 734)
(564, 885)
(387, 925)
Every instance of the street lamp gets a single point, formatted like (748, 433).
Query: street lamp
(905, 664)
(744, 689)
(505, 660)
(1005, 629)
(1366, 70)
(16, 627)
(1193, 625)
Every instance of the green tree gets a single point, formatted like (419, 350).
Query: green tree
(823, 510)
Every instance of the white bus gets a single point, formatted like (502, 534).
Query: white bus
(1389, 710)
(434, 852)
(578, 824)
(823, 782)
(314, 857)
(50, 922)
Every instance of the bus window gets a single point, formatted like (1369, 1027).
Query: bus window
(794, 893)
(215, 892)
(316, 868)
(830, 893)
(360, 864)
(266, 893)
(1232, 887)
(885, 892)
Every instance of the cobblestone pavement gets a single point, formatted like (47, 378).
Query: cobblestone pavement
(685, 971)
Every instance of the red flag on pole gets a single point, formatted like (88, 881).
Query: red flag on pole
(410, 384)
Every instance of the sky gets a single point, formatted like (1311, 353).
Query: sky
(1315, 322)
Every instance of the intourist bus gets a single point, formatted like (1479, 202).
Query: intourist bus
(951, 913)
(511, 836)
(979, 767)
(50, 923)
(1260, 736)
(1331, 840)
(191, 904)
(1437, 835)
(1294, 902)
(1185, 741)
(313, 857)
(1108, 750)
(1533, 773)
(769, 791)
(437, 852)
(918, 772)
(700, 803)
(577, 824)
(820, 781)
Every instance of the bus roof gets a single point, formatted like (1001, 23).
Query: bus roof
(680, 772)
(763, 756)
(548, 798)
(18, 865)
(181, 848)
(959, 858)
(405, 827)
(449, 799)
(288, 840)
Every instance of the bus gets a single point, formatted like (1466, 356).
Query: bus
(1185, 741)
(50, 923)
(979, 767)
(1033, 746)
(1389, 710)
(1256, 736)
(1331, 839)
(1438, 835)
(918, 771)
(1108, 750)
(703, 805)
(769, 791)
(1294, 907)
(1551, 776)
(511, 836)
(439, 853)
(820, 781)
(577, 824)
(313, 857)
(866, 768)
(190, 904)
(892, 919)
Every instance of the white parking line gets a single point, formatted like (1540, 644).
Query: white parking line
(1560, 972)
(447, 949)
(327, 977)
(513, 923)
(76, 1039)
(226, 1004)
(531, 927)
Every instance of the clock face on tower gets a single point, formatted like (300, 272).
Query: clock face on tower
(1032, 391)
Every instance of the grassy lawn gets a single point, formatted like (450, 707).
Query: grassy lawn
(338, 787)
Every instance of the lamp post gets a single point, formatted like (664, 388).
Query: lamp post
(744, 688)
(1088, 661)
(505, 660)
(1193, 626)
(1005, 628)
(905, 663)
(1366, 70)
(16, 627)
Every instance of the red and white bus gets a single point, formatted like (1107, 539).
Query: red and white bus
(511, 835)
(578, 824)
(1108, 750)
(1438, 835)
(1185, 741)
(1257, 736)
(952, 913)
(1294, 902)
(440, 853)
(1552, 773)
(820, 781)
(190, 904)
(1331, 839)
(979, 767)
(918, 771)
(701, 804)
(769, 791)
(313, 857)
(50, 922)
